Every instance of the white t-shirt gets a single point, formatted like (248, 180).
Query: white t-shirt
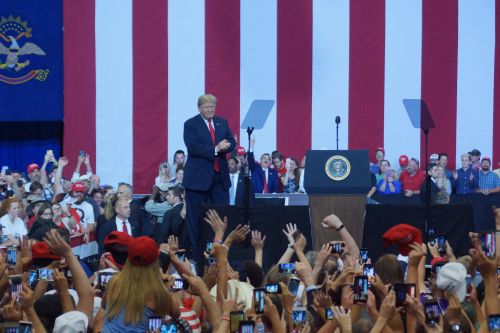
(86, 213)
(18, 229)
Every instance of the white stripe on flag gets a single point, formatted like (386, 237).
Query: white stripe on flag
(330, 81)
(114, 93)
(258, 71)
(475, 76)
(186, 66)
(403, 65)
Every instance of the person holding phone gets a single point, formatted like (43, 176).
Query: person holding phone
(13, 228)
(389, 183)
(291, 178)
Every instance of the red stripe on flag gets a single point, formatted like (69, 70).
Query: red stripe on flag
(496, 107)
(79, 80)
(294, 77)
(222, 58)
(150, 120)
(366, 75)
(439, 76)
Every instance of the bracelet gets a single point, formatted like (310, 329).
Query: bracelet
(290, 246)
(225, 318)
(340, 228)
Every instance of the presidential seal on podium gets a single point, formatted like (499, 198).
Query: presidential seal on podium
(337, 167)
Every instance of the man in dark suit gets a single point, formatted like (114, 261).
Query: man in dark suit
(264, 179)
(237, 189)
(172, 221)
(120, 222)
(433, 170)
(208, 138)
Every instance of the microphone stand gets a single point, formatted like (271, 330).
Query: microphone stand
(337, 136)
(246, 177)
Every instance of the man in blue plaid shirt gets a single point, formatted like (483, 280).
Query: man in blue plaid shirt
(488, 181)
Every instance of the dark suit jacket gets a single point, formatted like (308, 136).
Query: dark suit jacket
(258, 177)
(240, 192)
(108, 226)
(172, 224)
(423, 191)
(199, 169)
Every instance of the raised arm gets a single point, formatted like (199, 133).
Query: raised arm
(333, 222)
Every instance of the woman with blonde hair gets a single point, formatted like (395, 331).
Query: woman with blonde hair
(137, 292)
(13, 228)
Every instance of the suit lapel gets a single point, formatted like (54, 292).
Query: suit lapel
(204, 129)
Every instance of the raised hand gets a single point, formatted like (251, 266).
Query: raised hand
(258, 240)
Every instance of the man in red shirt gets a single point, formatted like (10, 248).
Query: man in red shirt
(412, 178)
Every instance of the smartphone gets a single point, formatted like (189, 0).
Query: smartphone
(368, 270)
(11, 329)
(468, 285)
(363, 256)
(168, 328)
(360, 289)
(212, 261)
(494, 323)
(82, 153)
(180, 284)
(46, 274)
(12, 256)
(259, 295)
(328, 314)
(337, 248)
(235, 318)
(273, 288)
(388, 172)
(33, 277)
(428, 271)
(210, 246)
(488, 243)
(431, 309)
(104, 278)
(16, 285)
(154, 324)
(25, 327)
(400, 289)
(441, 241)
(247, 326)
(298, 319)
(293, 286)
(288, 268)
(181, 255)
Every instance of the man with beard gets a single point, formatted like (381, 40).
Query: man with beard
(488, 181)
(412, 178)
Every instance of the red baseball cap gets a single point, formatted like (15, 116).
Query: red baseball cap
(78, 187)
(32, 167)
(143, 251)
(40, 250)
(403, 160)
(240, 151)
(380, 149)
(486, 158)
(403, 235)
(438, 260)
(117, 237)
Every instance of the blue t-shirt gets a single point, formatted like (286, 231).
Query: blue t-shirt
(118, 325)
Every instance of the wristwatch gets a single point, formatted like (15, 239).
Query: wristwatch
(455, 328)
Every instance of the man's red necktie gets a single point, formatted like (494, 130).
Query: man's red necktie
(265, 183)
(125, 229)
(212, 134)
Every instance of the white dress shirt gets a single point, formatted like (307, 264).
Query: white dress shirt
(119, 225)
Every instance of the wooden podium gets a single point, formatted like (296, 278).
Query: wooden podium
(337, 182)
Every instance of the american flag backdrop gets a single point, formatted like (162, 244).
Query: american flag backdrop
(134, 69)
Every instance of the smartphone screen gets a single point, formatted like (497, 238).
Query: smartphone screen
(210, 246)
(211, 261)
(46, 274)
(181, 255)
(360, 289)
(293, 286)
(400, 290)
(33, 277)
(25, 327)
(11, 256)
(368, 270)
(235, 318)
(431, 309)
(337, 248)
(104, 278)
(441, 240)
(180, 284)
(247, 326)
(16, 286)
(363, 256)
(328, 314)
(273, 288)
(154, 324)
(428, 270)
(168, 328)
(494, 323)
(488, 243)
(259, 299)
(12, 329)
(288, 268)
(468, 282)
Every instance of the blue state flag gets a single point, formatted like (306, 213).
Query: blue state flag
(31, 60)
